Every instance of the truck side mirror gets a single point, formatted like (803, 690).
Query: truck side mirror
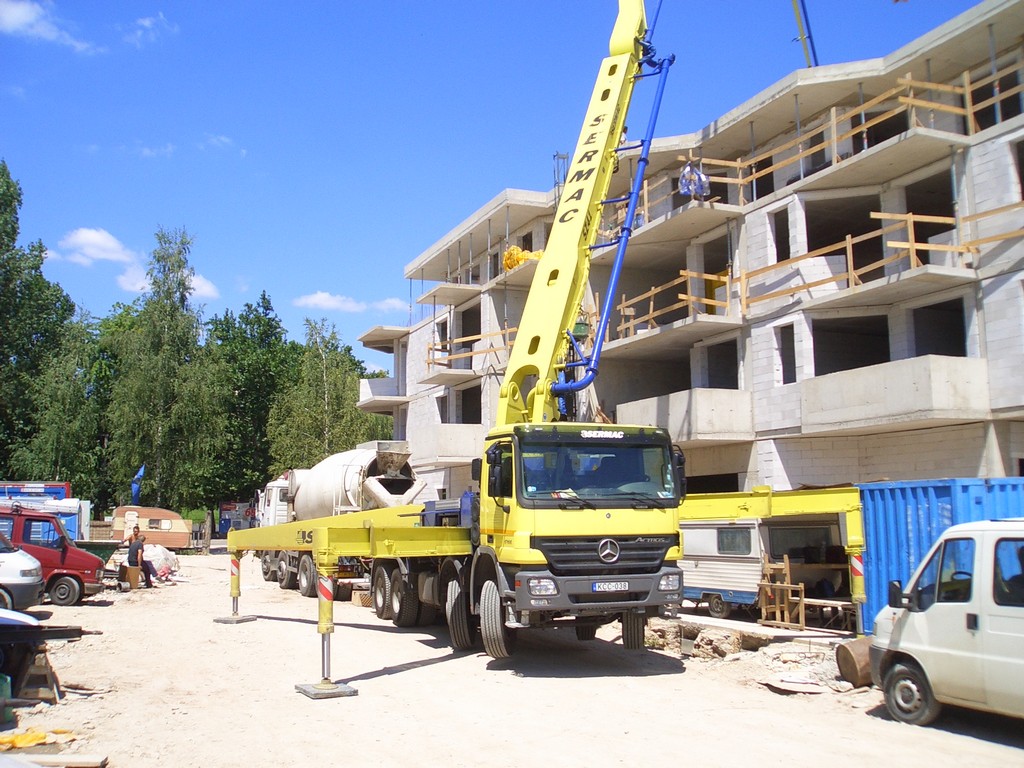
(679, 459)
(896, 599)
(495, 481)
(475, 469)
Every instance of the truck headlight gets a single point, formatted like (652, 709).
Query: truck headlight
(31, 573)
(542, 586)
(669, 582)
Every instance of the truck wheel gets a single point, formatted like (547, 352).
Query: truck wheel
(5, 600)
(633, 626)
(717, 607)
(586, 632)
(267, 567)
(307, 576)
(499, 640)
(382, 593)
(285, 579)
(405, 603)
(456, 611)
(65, 591)
(908, 696)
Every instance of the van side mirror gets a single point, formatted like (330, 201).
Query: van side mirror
(896, 598)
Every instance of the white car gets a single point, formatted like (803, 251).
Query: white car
(956, 634)
(21, 577)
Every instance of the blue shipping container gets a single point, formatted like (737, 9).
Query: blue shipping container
(903, 519)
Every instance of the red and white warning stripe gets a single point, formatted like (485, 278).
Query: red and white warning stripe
(325, 588)
(857, 565)
(234, 567)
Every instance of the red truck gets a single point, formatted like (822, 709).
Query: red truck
(69, 572)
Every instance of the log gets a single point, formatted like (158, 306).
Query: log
(854, 662)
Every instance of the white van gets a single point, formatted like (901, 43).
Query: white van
(956, 634)
(21, 577)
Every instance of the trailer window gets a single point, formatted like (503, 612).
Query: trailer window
(1009, 572)
(734, 541)
(805, 544)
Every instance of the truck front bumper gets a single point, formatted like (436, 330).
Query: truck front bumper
(596, 595)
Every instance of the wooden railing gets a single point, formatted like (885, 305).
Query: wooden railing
(640, 312)
(443, 353)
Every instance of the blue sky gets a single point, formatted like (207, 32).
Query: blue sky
(312, 149)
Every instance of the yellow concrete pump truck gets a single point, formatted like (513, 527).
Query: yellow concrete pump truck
(575, 524)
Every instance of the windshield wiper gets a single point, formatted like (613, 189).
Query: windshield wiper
(569, 499)
(640, 502)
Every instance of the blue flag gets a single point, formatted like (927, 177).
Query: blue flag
(137, 484)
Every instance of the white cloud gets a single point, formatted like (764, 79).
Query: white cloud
(216, 142)
(324, 300)
(148, 30)
(391, 305)
(86, 246)
(24, 18)
(203, 288)
(133, 279)
(165, 151)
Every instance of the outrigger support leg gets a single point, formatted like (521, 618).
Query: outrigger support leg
(326, 688)
(236, 591)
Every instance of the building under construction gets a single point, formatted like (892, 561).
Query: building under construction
(824, 285)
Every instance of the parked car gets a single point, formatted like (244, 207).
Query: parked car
(956, 634)
(21, 578)
(69, 573)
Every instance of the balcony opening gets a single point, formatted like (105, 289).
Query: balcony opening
(779, 223)
(879, 132)
(442, 408)
(939, 329)
(846, 343)
(723, 366)
(762, 186)
(494, 264)
(829, 221)
(526, 241)
(468, 406)
(785, 343)
(724, 483)
(932, 197)
(1009, 106)
(469, 322)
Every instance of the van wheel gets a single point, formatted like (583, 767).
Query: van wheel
(718, 608)
(908, 696)
(5, 600)
(65, 591)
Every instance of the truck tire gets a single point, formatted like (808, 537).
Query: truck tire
(718, 608)
(405, 603)
(286, 579)
(307, 576)
(268, 567)
(499, 640)
(908, 695)
(65, 591)
(456, 611)
(633, 626)
(381, 591)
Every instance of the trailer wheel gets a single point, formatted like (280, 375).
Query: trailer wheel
(908, 696)
(307, 576)
(286, 579)
(456, 610)
(633, 626)
(382, 593)
(586, 632)
(499, 640)
(65, 591)
(267, 567)
(717, 607)
(405, 603)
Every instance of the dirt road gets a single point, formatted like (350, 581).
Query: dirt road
(165, 685)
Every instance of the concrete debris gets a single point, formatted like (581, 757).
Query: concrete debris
(716, 644)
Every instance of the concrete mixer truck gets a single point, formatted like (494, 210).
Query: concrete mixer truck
(372, 475)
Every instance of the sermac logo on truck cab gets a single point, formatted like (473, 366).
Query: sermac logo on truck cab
(613, 434)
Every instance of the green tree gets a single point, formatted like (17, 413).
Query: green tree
(260, 363)
(317, 416)
(169, 394)
(33, 316)
(66, 444)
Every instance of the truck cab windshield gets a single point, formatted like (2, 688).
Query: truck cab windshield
(600, 475)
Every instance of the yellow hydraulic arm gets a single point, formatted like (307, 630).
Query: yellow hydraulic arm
(556, 295)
